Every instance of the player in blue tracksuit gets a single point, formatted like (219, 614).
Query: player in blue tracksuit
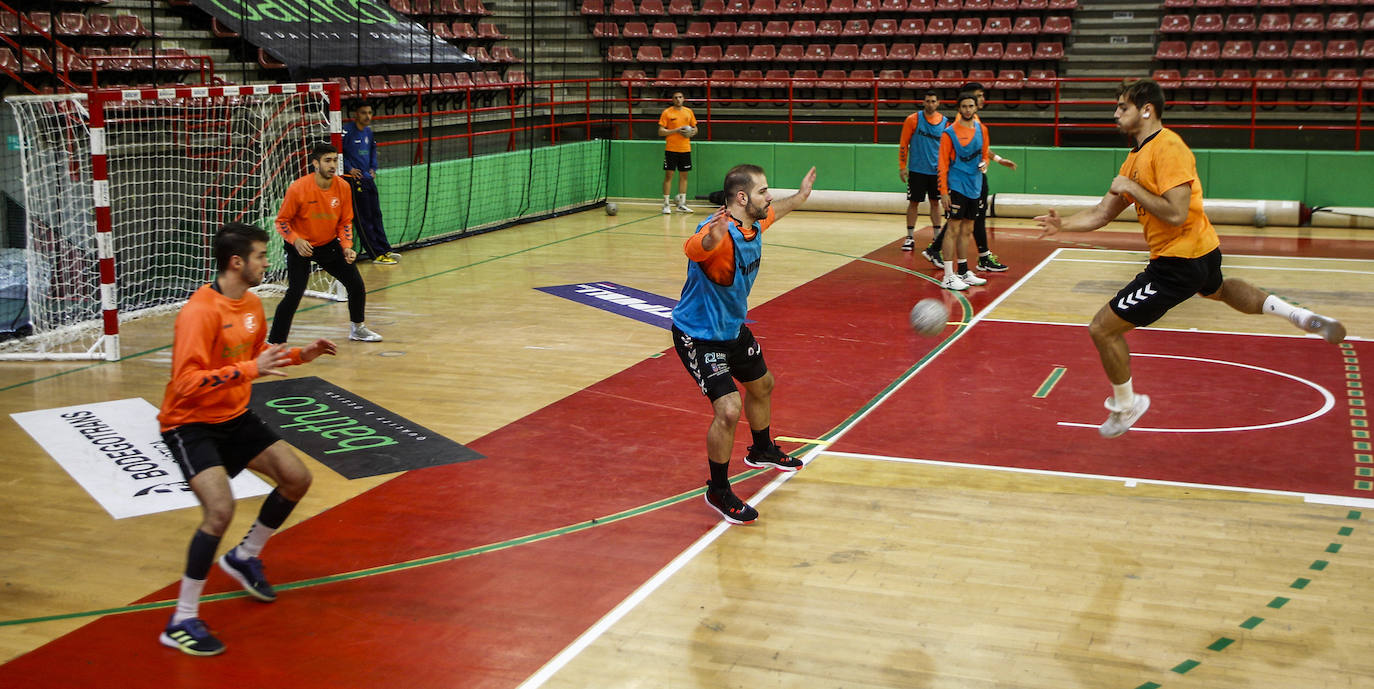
(711, 338)
(360, 164)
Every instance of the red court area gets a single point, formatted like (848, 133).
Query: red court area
(975, 403)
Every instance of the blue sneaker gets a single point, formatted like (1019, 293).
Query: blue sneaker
(191, 637)
(248, 572)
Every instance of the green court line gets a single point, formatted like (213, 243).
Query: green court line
(1220, 644)
(1183, 667)
(1050, 382)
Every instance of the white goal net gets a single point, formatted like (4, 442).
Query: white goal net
(123, 191)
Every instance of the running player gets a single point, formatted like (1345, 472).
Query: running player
(918, 153)
(711, 338)
(1160, 178)
(218, 349)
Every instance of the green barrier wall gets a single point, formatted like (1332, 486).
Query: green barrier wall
(1317, 179)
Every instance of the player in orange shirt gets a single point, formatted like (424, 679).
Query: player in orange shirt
(316, 222)
(677, 124)
(219, 347)
(1160, 178)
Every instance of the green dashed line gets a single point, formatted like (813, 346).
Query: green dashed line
(1148, 685)
(1299, 583)
(1333, 548)
(1318, 565)
(1278, 602)
(1183, 667)
(1220, 644)
(1251, 623)
(1345, 531)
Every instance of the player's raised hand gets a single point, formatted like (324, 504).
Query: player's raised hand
(1050, 223)
(717, 228)
(318, 347)
(273, 360)
(807, 182)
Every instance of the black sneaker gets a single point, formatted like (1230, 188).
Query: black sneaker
(248, 572)
(908, 244)
(729, 506)
(772, 457)
(191, 637)
(933, 255)
(990, 263)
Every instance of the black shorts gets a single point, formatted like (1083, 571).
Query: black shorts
(675, 160)
(920, 186)
(713, 363)
(1167, 282)
(231, 444)
(963, 208)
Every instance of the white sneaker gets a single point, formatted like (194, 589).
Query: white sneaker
(1121, 421)
(360, 333)
(953, 282)
(682, 208)
(1329, 328)
(971, 279)
(667, 210)
(393, 255)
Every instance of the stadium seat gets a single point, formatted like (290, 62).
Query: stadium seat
(831, 79)
(1204, 50)
(1306, 50)
(1208, 23)
(1200, 79)
(804, 79)
(736, 52)
(71, 24)
(480, 54)
(38, 22)
(1167, 78)
(845, 52)
(949, 79)
(694, 78)
(1367, 22)
(665, 30)
(817, 52)
(775, 79)
(865, 6)
(724, 30)
(968, 26)
(1367, 49)
(861, 80)
(712, 8)
(911, 26)
(749, 78)
(1305, 79)
(1234, 79)
(442, 30)
(628, 78)
(997, 26)
(982, 76)
(855, 28)
(1003, 5)
(1275, 23)
(619, 53)
(737, 7)
(802, 28)
(1058, 25)
(721, 79)
(1272, 50)
(977, 5)
(890, 78)
(490, 32)
(683, 53)
(1064, 5)
(1238, 50)
(763, 8)
(1340, 22)
(622, 8)
(920, 6)
(1175, 23)
(949, 6)
(1309, 22)
(1015, 52)
(788, 7)
(829, 28)
(1277, 4)
(883, 27)
(1209, 3)
(940, 26)
(893, 6)
(791, 52)
(475, 7)
(841, 6)
(503, 53)
(709, 54)
(697, 30)
(814, 7)
(1270, 79)
(683, 8)
(961, 52)
(635, 30)
(775, 29)
(930, 52)
(989, 51)
(463, 31)
(763, 52)
(749, 30)
(902, 52)
(652, 8)
(1342, 49)
(1010, 80)
(1049, 51)
(1171, 50)
(1026, 26)
(1241, 4)
(1342, 78)
(919, 79)
(1240, 24)
(1041, 79)
(1177, 4)
(873, 52)
(98, 23)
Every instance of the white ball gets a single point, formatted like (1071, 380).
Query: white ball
(611, 208)
(929, 317)
(691, 131)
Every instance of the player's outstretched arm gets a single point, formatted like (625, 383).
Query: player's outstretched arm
(717, 229)
(789, 204)
(316, 348)
(1094, 218)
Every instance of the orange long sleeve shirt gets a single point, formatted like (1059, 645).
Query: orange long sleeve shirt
(965, 134)
(214, 350)
(317, 215)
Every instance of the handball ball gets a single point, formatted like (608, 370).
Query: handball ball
(611, 208)
(929, 317)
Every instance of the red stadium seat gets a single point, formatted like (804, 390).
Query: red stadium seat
(902, 52)
(1342, 49)
(737, 7)
(599, 30)
(749, 78)
(775, 29)
(1204, 50)
(683, 53)
(1034, 5)
(749, 30)
(968, 26)
(72, 24)
(1059, 25)
(1200, 79)
(804, 79)
(1041, 79)
(628, 78)
(697, 30)
(1270, 79)
(721, 78)
(814, 7)
(1234, 79)
(1240, 23)
(1340, 22)
(1167, 78)
(865, 6)
(830, 28)
(708, 54)
(694, 78)
(763, 52)
(911, 26)
(635, 30)
(961, 52)
(873, 52)
(1367, 22)
(1171, 50)
(736, 52)
(919, 79)
(949, 79)
(802, 28)
(1175, 23)
(1208, 23)
(652, 8)
(681, 8)
(855, 28)
(791, 53)
(775, 79)
(841, 6)
(1275, 23)
(860, 80)
(475, 7)
(1003, 5)
(1342, 78)
(724, 30)
(884, 27)
(921, 6)
(893, 6)
(817, 52)
(667, 78)
(1306, 79)
(463, 31)
(619, 53)
(665, 30)
(763, 8)
(997, 26)
(1026, 26)
(788, 7)
(1277, 4)
(977, 5)
(712, 7)
(845, 52)
(1306, 50)
(1238, 50)
(442, 30)
(1309, 22)
(99, 23)
(1367, 49)
(982, 76)
(1017, 52)
(1178, 4)
(1209, 3)
(622, 8)
(949, 6)
(930, 52)
(1010, 80)
(940, 26)
(990, 51)
(1049, 51)
(1064, 5)
(43, 21)
(1241, 4)
(831, 79)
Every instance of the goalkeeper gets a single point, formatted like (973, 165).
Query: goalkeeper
(316, 222)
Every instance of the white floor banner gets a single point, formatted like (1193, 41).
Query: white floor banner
(114, 450)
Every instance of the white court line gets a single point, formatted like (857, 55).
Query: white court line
(1329, 401)
(644, 591)
(1229, 266)
(1316, 498)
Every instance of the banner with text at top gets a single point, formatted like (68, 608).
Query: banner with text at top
(337, 36)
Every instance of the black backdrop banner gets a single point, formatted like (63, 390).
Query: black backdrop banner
(336, 37)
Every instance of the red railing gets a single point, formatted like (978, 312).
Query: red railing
(623, 103)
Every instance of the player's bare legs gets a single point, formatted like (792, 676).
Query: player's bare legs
(1108, 331)
(1246, 298)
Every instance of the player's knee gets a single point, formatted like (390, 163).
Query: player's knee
(216, 518)
(727, 410)
(295, 482)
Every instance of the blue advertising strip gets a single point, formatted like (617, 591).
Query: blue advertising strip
(644, 307)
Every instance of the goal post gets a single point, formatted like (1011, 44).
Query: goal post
(123, 190)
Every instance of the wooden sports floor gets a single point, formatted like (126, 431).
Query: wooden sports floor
(964, 527)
